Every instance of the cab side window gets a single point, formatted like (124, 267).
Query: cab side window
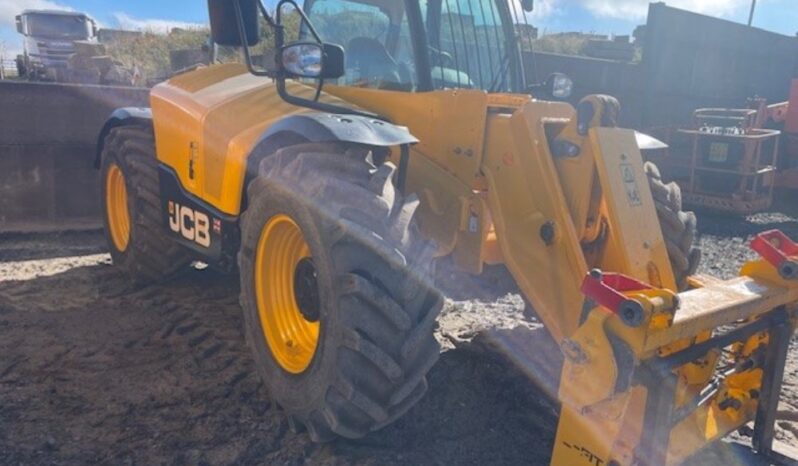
(467, 44)
(378, 53)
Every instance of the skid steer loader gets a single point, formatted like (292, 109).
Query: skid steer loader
(392, 133)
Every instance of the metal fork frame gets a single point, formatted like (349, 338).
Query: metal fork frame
(660, 381)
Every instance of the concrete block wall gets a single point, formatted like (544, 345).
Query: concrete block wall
(48, 136)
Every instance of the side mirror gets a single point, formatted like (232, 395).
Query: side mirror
(313, 60)
(94, 29)
(20, 26)
(225, 21)
(528, 5)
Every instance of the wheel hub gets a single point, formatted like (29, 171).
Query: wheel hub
(306, 290)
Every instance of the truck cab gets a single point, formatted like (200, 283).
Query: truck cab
(49, 37)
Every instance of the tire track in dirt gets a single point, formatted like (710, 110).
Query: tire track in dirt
(96, 371)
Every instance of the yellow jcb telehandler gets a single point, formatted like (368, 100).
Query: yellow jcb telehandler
(392, 133)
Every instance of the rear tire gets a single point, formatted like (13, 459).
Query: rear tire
(678, 226)
(376, 310)
(146, 254)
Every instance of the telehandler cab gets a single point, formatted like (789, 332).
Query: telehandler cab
(390, 133)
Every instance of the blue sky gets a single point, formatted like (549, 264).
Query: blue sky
(621, 16)
(602, 16)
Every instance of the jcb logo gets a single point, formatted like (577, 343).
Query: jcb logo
(192, 225)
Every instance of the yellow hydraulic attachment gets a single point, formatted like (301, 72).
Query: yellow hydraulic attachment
(638, 388)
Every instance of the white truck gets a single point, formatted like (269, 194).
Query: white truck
(49, 41)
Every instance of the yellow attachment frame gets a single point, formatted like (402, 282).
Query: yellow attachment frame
(628, 392)
(529, 192)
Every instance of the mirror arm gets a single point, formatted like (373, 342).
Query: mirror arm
(321, 106)
(303, 16)
(319, 88)
(266, 14)
(245, 43)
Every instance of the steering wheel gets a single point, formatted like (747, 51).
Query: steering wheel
(440, 57)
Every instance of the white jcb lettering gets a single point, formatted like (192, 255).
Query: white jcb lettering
(174, 221)
(187, 223)
(201, 230)
(192, 225)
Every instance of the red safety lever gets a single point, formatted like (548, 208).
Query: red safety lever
(606, 290)
(779, 251)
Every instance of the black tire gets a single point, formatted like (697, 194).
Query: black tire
(150, 256)
(377, 310)
(678, 226)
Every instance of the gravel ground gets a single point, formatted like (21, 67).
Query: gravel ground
(94, 371)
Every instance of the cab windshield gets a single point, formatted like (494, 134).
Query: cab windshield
(58, 26)
(466, 43)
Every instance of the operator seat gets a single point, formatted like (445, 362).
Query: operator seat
(374, 63)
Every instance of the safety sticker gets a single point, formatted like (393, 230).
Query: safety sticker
(630, 182)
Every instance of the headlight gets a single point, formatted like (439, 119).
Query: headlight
(561, 86)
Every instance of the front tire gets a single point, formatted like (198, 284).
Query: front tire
(349, 353)
(134, 231)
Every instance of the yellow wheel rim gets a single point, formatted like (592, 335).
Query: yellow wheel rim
(282, 260)
(116, 207)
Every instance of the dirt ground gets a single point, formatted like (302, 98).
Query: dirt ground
(95, 371)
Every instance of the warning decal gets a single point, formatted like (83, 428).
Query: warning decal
(630, 182)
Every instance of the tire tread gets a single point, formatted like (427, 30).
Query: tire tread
(387, 345)
(678, 226)
(151, 255)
